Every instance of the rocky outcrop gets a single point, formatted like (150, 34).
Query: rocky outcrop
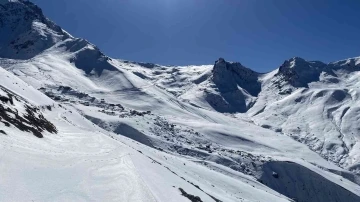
(228, 76)
(299, 72)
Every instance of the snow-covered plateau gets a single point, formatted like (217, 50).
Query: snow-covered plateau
(76, 125)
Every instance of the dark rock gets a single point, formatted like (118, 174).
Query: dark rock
(192, 198)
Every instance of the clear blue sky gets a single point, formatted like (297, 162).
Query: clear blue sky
(260, 34)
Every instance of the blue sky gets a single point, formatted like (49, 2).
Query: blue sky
(260, 34)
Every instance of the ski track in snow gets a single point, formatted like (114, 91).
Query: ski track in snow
(73, 165)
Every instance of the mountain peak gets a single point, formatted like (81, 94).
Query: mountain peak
(25, 31)
(298, 72)
(295, 62)
(297, 59)
(220, 61)
(229, 75)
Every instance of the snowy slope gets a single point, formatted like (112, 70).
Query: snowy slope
(321, 112)
(172, 125)
(130, 131)
(10, 81)
(81, 162)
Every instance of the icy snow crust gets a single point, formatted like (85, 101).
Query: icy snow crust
(130, 131)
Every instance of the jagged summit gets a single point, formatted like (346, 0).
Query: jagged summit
(299, 72)
(229, 75)
(229, 87)
(25, 31)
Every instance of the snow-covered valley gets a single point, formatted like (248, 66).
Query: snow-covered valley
(76, 125)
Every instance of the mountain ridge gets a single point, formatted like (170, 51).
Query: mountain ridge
(33, 13)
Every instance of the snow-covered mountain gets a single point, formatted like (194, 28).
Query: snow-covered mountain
(76, 125)
(25, 31)
(315, 104)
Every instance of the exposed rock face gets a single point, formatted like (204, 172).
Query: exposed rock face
(30, 120)
(25, 31)
(298, 72)
(233, 87)
(228, 76)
